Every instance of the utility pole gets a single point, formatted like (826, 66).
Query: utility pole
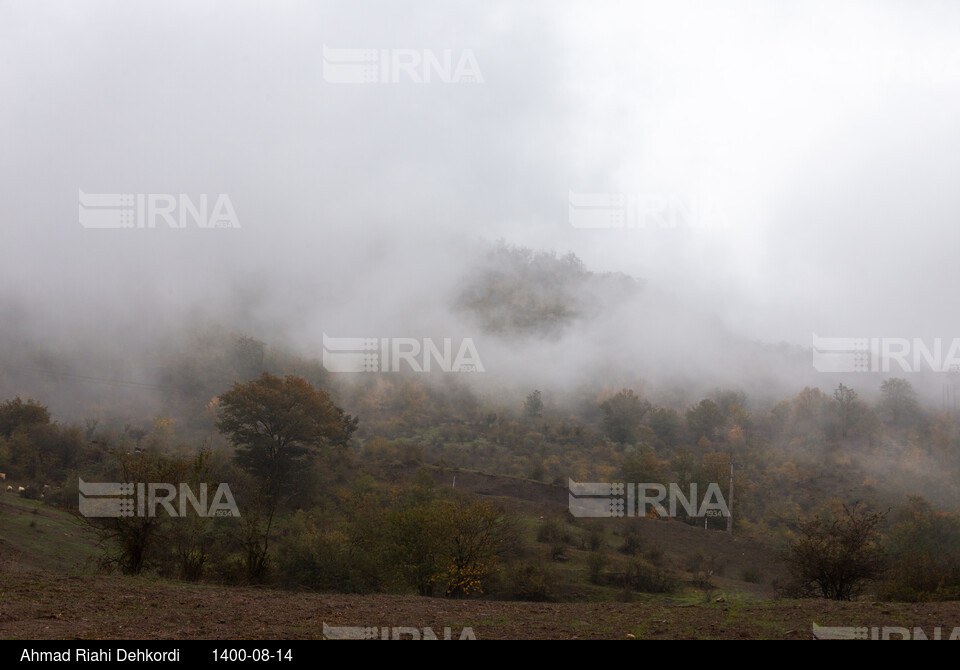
(730, 502)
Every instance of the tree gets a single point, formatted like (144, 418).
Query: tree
(476, 536)
(622, 416)
(811, 418)
(666, 423)
(835, 554)
(533, 405)
(704, 419)
(845, 397)
(924, 548)
(642, 466)
(455, 544)
(16, 413)
(277, 425)
(133, 542)
(899, 402)
(729, 400)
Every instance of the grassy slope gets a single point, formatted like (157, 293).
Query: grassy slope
(35, 536)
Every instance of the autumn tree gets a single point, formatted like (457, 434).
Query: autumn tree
(836, 554)
(642, 466)
(277, 425)
(924, 549)
(475, 537)
(15, 414)
(622, 415)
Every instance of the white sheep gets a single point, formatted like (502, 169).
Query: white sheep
(20, 489)
(10, 489)
(3, 476)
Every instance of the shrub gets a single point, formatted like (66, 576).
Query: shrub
(596, 562)
(534, 581)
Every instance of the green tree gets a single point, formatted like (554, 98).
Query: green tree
(704, 419)
(666, 424)
(416, 545)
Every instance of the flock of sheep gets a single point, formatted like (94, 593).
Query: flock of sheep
(20, 489)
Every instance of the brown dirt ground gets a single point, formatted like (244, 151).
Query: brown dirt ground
(45, 605)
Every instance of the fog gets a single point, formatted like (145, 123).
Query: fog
(822, 139)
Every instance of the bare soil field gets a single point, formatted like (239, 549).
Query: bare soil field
(44, 605)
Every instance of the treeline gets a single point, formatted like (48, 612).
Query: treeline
(791, 460)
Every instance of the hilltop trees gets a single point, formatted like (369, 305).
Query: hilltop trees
(666, 424)
(520, 292)
(704, 419)
(622, 415)
(899, 405)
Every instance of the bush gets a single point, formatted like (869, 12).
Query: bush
(641, 576)
(593, 539)
(318, 558)
(655, 554)
(551, 531)
(596, 562)
(923, 546)
(835, 555)
(534, 581)
(30, 493)
(632, 544)
(694, 562)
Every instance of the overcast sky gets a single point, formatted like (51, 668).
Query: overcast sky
(822, 137)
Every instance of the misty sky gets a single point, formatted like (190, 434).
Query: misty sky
(824, 133)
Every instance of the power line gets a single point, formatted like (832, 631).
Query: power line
(103, 380)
